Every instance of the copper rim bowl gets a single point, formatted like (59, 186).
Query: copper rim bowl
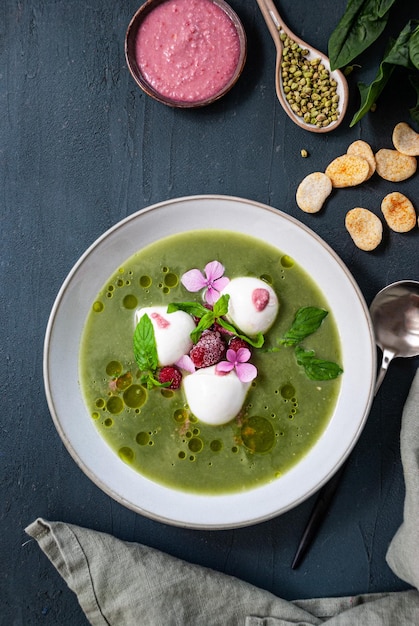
(131, 59)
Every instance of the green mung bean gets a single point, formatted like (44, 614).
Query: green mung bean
(309, 89)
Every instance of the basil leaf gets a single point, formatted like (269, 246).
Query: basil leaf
(314, 368)
(307, 320)
(193, 308)
(257, 342)
(361, 24)
(144, 342)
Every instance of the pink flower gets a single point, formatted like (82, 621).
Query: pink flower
(185, 363)
(246, 372)
(212, 281)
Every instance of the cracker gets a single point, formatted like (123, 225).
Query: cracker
(363, 149)
(405, 139)
(394, 166)
(398, 212)
(348, 170)
(365, 228)
(313, 191)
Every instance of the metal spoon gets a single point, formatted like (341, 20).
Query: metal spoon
(395, 317)
(276, 25)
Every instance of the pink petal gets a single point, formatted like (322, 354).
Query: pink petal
(185, 363)
(231, 356)
(220, 283)
(224, 366)
(214, 271)
(243, 355)
(246, 372)
(193, 280)
(211, 296)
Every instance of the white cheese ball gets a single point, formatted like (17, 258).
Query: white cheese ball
(171, 331)
(214, 398)
(253, 305)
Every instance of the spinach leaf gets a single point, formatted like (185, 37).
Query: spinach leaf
(307, 320)
(414, 47)
(370, 93)
(397, 53)
(361, 24)
(314, 368)
(145, 350)
(414, 111)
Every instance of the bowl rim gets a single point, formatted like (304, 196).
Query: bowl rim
(173, 512)
(130, 56)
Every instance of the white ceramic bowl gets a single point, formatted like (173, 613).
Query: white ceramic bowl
(61, 360)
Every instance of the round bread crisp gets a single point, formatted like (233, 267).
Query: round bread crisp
(398, 212)
(348, 170)
(363, 149)
(365, 228)
(313, 191)
(394, 166)
(405, 139)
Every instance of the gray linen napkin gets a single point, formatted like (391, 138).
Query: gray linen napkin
(125, 584)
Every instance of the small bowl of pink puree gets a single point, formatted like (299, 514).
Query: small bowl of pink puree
(185, 53)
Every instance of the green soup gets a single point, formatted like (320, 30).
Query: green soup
(152, 429)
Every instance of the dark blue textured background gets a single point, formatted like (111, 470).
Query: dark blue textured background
(81, 147)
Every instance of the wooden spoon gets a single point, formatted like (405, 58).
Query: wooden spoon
(276, 26)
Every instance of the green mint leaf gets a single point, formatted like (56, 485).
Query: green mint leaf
(144, 343)
(314, 368)
(193, 308)
(256, 342)
(221, 306)
(307, 320)
(205, 322)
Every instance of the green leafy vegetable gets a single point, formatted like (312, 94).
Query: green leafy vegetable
(398, 53)
(414, 47)
(316, 369)
(361, 24)
(307, 320)
(145, 353)
(257, 342)
(370, 93)
(414, 111)
(145, 350)
(208, 317)
(193, 308)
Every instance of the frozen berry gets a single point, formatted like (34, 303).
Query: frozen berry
(209, 350)
(172, 375)
(236, 343)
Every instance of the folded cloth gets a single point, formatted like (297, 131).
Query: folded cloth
(121, 584)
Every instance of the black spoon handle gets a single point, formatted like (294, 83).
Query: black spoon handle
(318, 513)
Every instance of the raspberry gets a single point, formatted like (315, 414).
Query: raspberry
(236, 343)
(208, 350)
(172, 375)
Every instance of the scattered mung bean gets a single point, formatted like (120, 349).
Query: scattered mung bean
(308, 87)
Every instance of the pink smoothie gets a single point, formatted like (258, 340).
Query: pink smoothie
(187, 50)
